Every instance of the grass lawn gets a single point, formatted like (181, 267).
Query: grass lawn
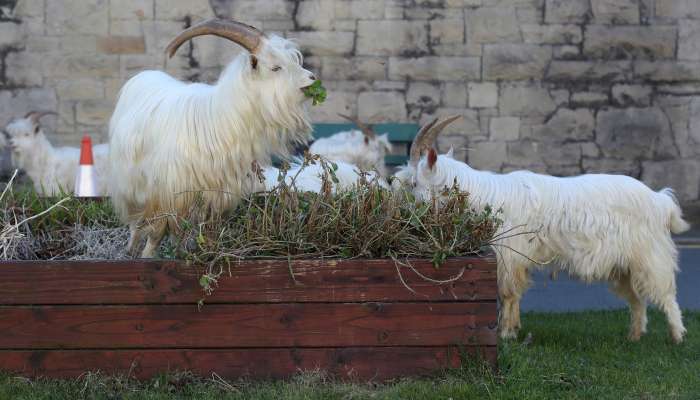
(569, 356)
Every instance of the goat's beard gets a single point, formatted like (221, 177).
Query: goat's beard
(287, 112)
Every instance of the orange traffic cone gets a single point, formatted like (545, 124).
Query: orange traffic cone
(85, 181)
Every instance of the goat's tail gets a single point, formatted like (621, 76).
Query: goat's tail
(676, 223)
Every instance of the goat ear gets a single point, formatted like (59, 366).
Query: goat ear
(253, 61)
(451, 152)
(36, 129)
(432, 157)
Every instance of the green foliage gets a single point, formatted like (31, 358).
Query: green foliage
(364, 221)
(316, 92)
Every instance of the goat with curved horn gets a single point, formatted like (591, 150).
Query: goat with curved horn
(172, 141)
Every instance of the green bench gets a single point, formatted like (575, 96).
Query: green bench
(400, 135)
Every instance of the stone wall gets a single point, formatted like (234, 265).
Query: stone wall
(559, 86)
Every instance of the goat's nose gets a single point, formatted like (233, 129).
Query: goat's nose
(312, 77)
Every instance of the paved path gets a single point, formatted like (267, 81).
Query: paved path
(567, 295)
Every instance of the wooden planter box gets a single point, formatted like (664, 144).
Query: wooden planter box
(354, 319)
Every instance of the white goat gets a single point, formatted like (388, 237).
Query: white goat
(597, 227)
(169, 139)
(363, 148)
(50, 168)
(309, 178)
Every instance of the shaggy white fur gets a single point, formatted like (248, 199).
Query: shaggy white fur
(596, 227)
(50, 168)
(355, 148)
(169, 139)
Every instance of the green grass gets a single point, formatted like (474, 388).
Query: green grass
(570, 356)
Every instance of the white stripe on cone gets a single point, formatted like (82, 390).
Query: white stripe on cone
(85, 182)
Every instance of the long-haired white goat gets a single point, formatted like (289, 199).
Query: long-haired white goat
(169, 138)
(363, 148)
(596, 227)
(50, 168)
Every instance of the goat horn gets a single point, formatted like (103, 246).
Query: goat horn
(249, 37)
(366, 130)
(432, 135)
(417, 145)
(35, 116)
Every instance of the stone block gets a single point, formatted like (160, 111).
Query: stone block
(492, 25)
(635, 133)
(362, 9)
(351, 68)
(376, 107)
(626, 95)
(23, 69)
(566, 125)
(682, 175)
(505, 128)
(616, 12)
(80, 66)
(422, 97)
(589, 99)
(566, 52)
(179, 9)
(29, 8)
(589, 71)
(94, 112)
(126, 27)
(454, 94)
(122, 44)
(483, 95)
(447, 31)
(77, 17)
(678, 9)
(567, 11)
(16, 103)
(525, 100)
(79, 89)
(488, 156)
(611, 166)
(131, 9)
(336, 102)
(316, 14)
(667, 71)
(689, 40)
(551, 34)
(325, 43)
(10, 34)
(625, 42)
(392, 37)
(515, 61)
(435, 68)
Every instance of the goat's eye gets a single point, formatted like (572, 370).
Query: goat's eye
(276, 68)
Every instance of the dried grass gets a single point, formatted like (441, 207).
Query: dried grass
(365, 221)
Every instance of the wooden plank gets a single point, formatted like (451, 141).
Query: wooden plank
(367, 363)
(248, 325)
(167, 282)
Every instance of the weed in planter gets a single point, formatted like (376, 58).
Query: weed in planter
(364, 221)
